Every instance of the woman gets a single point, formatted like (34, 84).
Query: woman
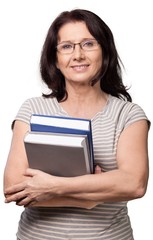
(81, 67)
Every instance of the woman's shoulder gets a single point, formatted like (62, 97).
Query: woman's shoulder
(37, 105)
(120, 101)
(39, 99)
(126, 112)
(124, 105)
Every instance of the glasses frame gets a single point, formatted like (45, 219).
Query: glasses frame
(81, 44)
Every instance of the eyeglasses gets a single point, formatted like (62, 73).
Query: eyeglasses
(68, 47)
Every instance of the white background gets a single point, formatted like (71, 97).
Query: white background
(23, 27)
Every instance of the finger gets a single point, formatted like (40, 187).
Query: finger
(97, 169)
(30, 204)
(25, 201)
(19, 201)
(31, 172)
(15, 188)
(15, 197)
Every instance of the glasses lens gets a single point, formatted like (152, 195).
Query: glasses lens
(65, 48)
(89, 45)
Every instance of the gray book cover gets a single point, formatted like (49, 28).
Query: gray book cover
(57, 154)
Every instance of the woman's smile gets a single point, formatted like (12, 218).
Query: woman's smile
(80, 68)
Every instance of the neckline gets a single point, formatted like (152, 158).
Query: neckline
(63, 112)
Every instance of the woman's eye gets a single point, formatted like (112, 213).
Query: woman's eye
(67, 46)
(88, 44)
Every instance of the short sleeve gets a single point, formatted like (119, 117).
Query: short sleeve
(24, 113)
(135, 114)
(37, 105)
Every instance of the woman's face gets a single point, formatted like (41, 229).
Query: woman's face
(80, 66)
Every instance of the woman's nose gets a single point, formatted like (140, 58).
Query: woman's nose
(78, 52)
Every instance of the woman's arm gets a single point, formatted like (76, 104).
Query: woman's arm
(17, 161)
(16, 168)
(128, 182)
(63, 202)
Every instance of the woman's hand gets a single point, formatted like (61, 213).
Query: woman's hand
(39, 187)
(36, 188)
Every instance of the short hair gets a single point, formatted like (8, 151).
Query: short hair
(110, 75)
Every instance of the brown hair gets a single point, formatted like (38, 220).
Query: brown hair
(110, 75)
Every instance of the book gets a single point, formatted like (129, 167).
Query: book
(65, 155)
(65, 125)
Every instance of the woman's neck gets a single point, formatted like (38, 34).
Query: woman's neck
(85, 104)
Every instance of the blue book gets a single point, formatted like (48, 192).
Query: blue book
(64, 125)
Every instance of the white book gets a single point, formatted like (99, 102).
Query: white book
(62, 122)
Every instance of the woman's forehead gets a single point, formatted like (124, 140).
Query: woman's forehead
(74, 31)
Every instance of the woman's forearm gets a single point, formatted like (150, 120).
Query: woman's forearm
(65, 202)
(116, 185)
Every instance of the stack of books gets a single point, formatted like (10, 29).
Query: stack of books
(61, 146)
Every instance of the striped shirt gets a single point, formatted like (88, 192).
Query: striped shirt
(106, 221)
